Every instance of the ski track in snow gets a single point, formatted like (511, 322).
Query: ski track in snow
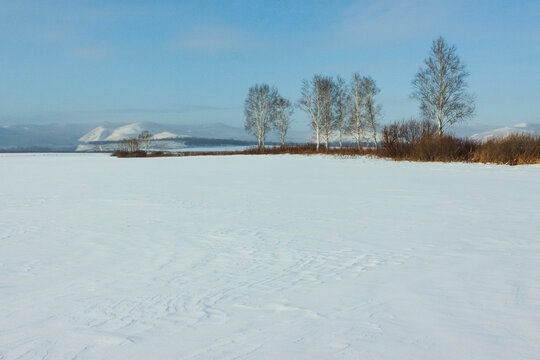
(250, 257)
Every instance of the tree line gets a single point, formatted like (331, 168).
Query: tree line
(336, 107)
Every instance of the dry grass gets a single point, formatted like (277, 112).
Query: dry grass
(442, 148)
(416, 141)
(308, 149)
(511, 150)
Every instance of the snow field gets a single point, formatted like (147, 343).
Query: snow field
(265, 257)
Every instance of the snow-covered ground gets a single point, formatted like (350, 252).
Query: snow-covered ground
(267, 257)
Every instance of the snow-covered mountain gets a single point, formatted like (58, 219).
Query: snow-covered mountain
(167, 135)
(116, 133)
(96, 134)
(531, 129)
(68, 136)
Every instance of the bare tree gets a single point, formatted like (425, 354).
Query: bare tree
(284, 110)
(356, 100)
(440, 87)
(311, 102)
(145, 137)
(341, 107)
(372, 110)
(328, 101)
(130, 145)
(259, 108)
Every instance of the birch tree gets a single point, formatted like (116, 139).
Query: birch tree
(311, 103)
(145, 137)
(259, 109)
(341, 108)
(284, 111)
(372, 111)
(356, 99)
(328, 101)
(441, 88)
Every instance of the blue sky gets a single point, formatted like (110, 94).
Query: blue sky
(193, 61)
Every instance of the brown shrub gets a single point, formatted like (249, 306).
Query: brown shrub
(442, 148)
(416, 141)
(129, 154)
(400, 137)
(512, 150)
(391, 142)
(307, 149)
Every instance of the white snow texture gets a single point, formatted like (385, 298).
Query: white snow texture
(267, 257)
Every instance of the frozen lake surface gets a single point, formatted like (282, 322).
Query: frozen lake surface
(267, 257)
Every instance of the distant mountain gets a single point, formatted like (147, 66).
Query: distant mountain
(97, 134)
(466, 130)
(116, 133)
(46, 136)
(213, 130)
(531, 129)
(68, 136)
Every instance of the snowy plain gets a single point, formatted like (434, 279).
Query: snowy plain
(267, 257)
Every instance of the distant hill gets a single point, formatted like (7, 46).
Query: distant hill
(45, 136)
(68, 136)
(115, 132)
(532, 129)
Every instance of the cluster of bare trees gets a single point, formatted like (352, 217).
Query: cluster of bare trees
(266, 110)
(135, 144)
(336, 107)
